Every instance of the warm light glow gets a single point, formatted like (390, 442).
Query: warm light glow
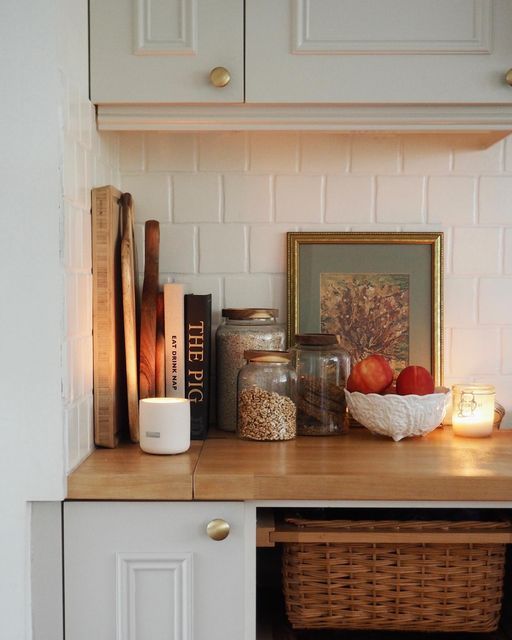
(473, 410)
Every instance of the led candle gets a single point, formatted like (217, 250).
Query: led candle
(473, 410)
(164, 425)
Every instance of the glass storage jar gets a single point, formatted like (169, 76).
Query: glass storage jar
(473, 410)
(241, 330)
(322, 367)
(266, 396)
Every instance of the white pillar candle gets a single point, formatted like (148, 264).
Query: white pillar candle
(164, 425)
(473, 410)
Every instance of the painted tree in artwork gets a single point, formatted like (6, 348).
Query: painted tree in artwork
(369, 312)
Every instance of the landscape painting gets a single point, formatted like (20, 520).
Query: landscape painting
(369, 312)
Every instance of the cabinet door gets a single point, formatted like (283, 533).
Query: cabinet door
(378, 51)
(150, 51)
(149, 571)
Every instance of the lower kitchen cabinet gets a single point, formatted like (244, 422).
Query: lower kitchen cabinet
(151, 571)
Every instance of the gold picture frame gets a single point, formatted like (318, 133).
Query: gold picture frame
(330, 274)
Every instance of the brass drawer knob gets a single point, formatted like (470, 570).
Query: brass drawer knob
(217, 529)
(220, 77)
(508, 77)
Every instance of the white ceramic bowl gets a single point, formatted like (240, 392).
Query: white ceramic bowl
(399, 416)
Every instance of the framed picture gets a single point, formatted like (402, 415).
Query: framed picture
(379, 292)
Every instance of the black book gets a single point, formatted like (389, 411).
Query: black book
(198, 324)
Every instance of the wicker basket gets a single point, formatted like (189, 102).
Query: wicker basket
(401, 583)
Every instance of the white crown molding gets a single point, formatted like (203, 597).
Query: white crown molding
(310, 117)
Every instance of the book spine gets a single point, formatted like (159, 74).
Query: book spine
(198, 314)
(174, 330)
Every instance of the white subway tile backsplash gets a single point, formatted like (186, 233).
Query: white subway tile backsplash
(508, 251)
(223, 151)
(247, 198)
(247, 291)
(72, 431)
(299, 198)
(475, 352)
(131, 151)
(236, 195)
(84, 426)
(460, 301)
(222, 248)
(320, 153)
(470, 156)
(151, 196)
(177, 248)
(451, 200)
(196, 197)
(476, 251)
(374, 154)
(349, 199)
(495, 301)
(495, 204)
(273, 152)
(267, 248)
(399, 199)
(279, 296)
(506, 350)
(171, 151)
(426, 154)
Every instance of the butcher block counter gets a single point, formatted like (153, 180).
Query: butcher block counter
(356, 466)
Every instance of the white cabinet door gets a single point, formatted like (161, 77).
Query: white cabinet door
(378, 51)
(149, 51)
(149, 571)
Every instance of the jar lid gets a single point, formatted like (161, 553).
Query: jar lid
(250, 314)
(316, 339)
(253, 355)
(474, 388)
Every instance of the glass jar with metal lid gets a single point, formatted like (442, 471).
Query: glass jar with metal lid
(241, 329)
(323, 367)
(266, 396)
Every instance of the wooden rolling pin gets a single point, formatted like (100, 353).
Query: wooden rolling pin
(147, 351)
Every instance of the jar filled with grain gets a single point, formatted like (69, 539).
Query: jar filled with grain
(266, 396)
(241, 330)
(322, 367)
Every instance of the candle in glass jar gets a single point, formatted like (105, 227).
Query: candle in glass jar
(473, 410)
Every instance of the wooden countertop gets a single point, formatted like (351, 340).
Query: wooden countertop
(127, 473)
(357, 466)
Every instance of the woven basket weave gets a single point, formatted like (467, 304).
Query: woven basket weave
(394, 586)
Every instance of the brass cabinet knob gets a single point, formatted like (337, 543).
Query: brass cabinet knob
(508, 77)
(217, 529)
(219, 77)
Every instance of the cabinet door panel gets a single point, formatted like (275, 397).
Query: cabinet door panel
(150, 51)
(148, 571)
(371, 51)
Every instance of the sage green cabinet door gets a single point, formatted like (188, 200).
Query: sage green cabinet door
(162, 51)
(378, 51)
(149, 571)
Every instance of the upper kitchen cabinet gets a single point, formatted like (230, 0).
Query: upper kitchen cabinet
(400, 65)
(378, 51)
(163, 51)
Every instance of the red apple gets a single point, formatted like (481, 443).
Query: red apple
(371, 375)
(414, 379)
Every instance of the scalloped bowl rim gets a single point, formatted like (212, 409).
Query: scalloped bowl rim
(438, 391)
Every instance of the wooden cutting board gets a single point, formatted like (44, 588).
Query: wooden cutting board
(108, 348)
(129, 290)
(147, 351)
